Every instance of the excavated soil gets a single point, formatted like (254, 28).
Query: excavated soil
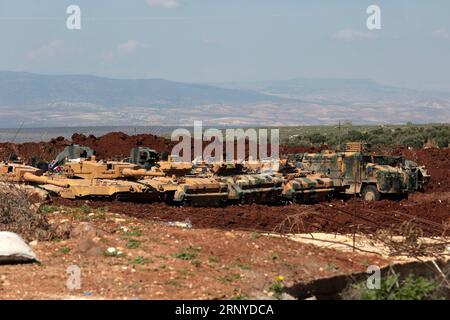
(167, 262)
(119, 144)
(430, 213)
(437, 162)
(109, 146)
(114, 145)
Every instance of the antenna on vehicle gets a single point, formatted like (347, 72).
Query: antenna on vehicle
(15, 136)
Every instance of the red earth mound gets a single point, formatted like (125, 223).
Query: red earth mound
(26, 151)
(119, 144)
(437, 162)
(109, 146)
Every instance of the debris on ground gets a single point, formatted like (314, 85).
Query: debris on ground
(187, 224)
(19, 214)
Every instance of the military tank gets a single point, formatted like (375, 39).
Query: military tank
(75, 188)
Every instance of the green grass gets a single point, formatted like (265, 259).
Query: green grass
(277, 289)
(393, 288)
(332, 267)
(101, 212)
(133, 244)
(85, 209)
(106, 253)
(213, 260)
(48, 209)
(229, 278)
(240, 296)
(174, 283)
(188, 253)
(185, 255)
(139, 260)
(185, 273)
(255, 235)
(134, 233)
(64, 250)
(243, 266)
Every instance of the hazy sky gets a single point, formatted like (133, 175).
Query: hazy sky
(231, 40)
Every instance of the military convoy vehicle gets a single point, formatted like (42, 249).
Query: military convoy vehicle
(14, 172)
(201, 191)
(318, 177)
(356, 171)
(174, 166)
(309, 188)
(93, 169)
(74, 188)
(255, 188)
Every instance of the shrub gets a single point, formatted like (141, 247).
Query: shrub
(392, 288)
(18, 214)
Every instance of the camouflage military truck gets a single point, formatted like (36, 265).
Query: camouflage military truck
(360, 172)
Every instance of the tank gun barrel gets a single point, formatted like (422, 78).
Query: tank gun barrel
(44, 180)
(141, 173)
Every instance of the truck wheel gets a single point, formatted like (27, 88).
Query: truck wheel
(370, 193)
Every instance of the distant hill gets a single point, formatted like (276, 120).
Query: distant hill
(83, 100)
(329, 90)
(20, 88)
